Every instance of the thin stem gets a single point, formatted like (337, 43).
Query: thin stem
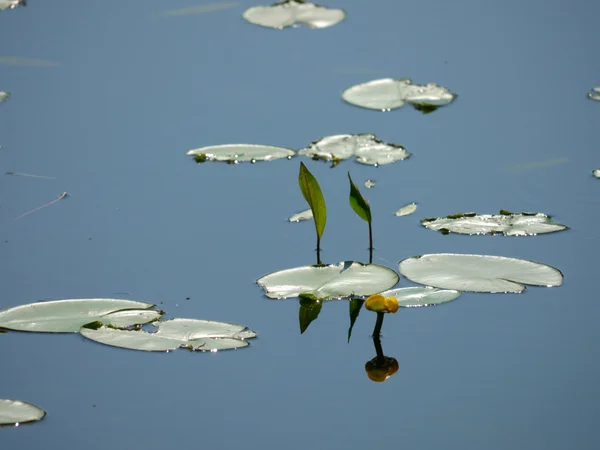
(63, 195)
(378, 325)
(379, 350)
(370, 243)
(319, 249)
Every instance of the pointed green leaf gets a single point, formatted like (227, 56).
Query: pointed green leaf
(358, 203)
(314, 197)
(355, 307)
(309, 311)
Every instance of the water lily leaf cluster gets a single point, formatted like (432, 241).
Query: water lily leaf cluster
(507, 223)
(386, 94)
(15, 412)
(366, 148)
(235, 153)
(291, 12)
(478, 273)
(594, 94)
(118, 323)
(331, 281)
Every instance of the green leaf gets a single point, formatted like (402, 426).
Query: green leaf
(355, 307)
(314, 197)
(358, 203)
(309, 311)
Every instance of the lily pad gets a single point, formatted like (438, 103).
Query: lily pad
(333, 281)
(303, 215)
(63, 316)
(595, 94)
(15, 412)
(366, 148)
(369, 184)
(478, 273)
(413, 297)
(234, 153)
(11, 4)
(596, 173)
(386, 94)
(4, 95)
(198, 335)
(127, 318)
(406, 210)
(509, 224)
(289, 12)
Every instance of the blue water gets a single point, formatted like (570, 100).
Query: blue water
(134, 90)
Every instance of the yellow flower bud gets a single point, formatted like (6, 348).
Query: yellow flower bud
(380, 370)
(379, 303)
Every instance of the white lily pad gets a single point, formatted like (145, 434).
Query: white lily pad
(413, 297)
(509, 224)
(478, 273)
(234, 153)
(4, 95)
(303, 215)
(15, 412)
(406, 210)
(596, 173)
(386, 94)
(333, 281)
(11, 4)
(127, 318)
(367, 149)
(595, 94)
(199, 335)
(63, 316)
(289, 12)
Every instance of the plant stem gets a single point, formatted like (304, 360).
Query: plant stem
(370, 243)
(378, 324)
(319, 249)
(379, 350)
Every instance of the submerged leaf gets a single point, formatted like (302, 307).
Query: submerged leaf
(314, 197)
(309, 311)
(358, 203)
(366, 148)
(412, 297)
(14, 412)
(387, 94)
(63, 316)
(478, 273)
(507, 223)
(303, 215)
(289, 12)
(234, 153)
(333, 281)
(199, 335)
(406, 210)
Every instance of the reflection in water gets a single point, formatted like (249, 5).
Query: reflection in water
(381, 367)
(309, 311)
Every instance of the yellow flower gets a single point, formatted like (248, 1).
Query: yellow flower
(380, 370)
(379, 303)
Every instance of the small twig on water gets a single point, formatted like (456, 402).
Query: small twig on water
(29, 175)
(63, 195)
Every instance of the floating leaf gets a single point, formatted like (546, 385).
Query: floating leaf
(355, 305)
(304, 215)
(333, 281)
(595, 94)
(406, 210)
(15, 412)
(478, 273)
(309, 311)
(369, 184)
(63, 316)
(314, 197)
(358, 203)
(199, 335)
(11, 4)
(596, 173)
(127, 318)
(412, 297)
(4, 95)
(387, 94)
(234, 153)
(525, 224)
(289, 12)
(367, 149)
